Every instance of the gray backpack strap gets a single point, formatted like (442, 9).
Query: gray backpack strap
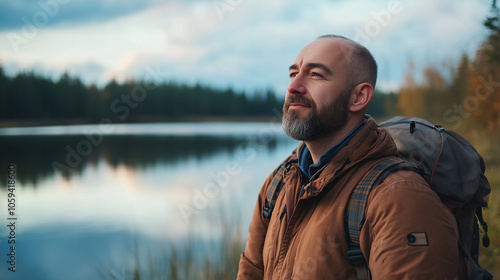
(363, 272)
(355, 214)
(276, 184)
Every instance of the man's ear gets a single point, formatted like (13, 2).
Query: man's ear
(361, 95)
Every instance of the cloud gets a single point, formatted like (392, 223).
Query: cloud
(426, 32)
(247, 44)
(14, 13)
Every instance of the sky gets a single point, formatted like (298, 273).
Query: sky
(243, 44)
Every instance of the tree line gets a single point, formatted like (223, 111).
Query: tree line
(28, 96)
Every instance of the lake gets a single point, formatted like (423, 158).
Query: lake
(119, 201)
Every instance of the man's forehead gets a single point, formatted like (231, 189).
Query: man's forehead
(325, 50)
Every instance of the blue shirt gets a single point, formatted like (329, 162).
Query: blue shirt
(305, 159)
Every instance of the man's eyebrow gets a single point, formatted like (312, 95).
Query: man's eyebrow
(312, 65)
(319, 65)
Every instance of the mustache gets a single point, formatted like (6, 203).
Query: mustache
(298, 99)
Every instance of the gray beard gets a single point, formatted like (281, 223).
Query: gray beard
(316, 126)
(306, 129)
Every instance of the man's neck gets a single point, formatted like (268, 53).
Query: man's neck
(319, 146)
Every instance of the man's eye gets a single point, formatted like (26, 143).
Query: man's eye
(292, 75)
(314, 74)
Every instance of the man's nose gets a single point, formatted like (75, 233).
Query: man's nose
(297, 86)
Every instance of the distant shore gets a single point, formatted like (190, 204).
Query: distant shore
(31, 123)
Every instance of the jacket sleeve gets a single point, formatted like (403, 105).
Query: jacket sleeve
(251, 262)
(409, 233)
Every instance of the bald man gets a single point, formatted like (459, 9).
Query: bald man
(304, 235)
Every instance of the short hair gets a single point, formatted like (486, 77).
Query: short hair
(361, 65)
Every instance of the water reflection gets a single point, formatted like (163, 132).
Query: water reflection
(126, 195)
(41, 156)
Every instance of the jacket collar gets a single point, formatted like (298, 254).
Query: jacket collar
(370, 143)
(311, 170)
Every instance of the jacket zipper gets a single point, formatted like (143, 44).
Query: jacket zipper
(278, 233)
(292, 218)
(316, 174)
(283, 213)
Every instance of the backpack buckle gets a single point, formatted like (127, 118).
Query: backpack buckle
(266, 212)
(439, 128)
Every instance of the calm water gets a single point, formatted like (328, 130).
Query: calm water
(91, 199)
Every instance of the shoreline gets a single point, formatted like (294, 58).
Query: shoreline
(41, 123)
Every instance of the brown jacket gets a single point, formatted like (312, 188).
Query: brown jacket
(307, 240)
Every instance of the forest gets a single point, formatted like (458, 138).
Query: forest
(28, 96)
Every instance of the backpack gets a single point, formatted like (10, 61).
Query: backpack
(455, 171)
(451, 166)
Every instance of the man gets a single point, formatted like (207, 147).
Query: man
(331, 82)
